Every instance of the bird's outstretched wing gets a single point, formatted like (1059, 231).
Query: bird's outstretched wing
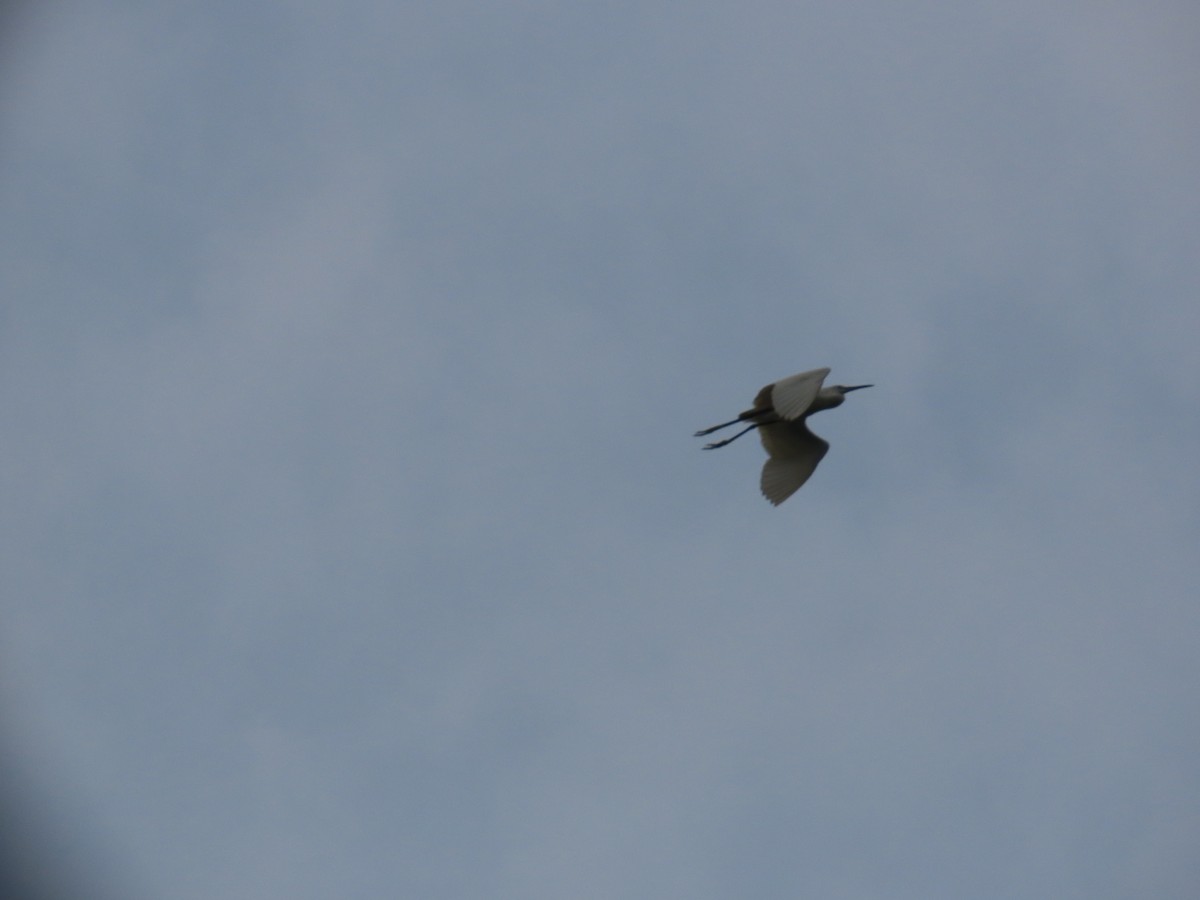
(791, 397)
(794, 453)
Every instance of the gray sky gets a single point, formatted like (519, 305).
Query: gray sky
(355, 542)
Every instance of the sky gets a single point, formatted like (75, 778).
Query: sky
(353, 537)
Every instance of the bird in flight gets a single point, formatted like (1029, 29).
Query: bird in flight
(779, 413)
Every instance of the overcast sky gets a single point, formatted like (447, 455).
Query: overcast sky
(354, 539)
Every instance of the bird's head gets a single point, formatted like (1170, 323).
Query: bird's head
(835, 395)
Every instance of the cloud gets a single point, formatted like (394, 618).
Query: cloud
(354, 534)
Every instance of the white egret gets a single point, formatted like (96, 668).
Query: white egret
(779, 414)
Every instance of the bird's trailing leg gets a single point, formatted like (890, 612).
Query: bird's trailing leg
(705, 431)
(716, 444)
(742, 417)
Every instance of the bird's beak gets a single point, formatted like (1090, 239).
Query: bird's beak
(856, 387)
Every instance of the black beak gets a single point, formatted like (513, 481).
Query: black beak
(855, 387)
